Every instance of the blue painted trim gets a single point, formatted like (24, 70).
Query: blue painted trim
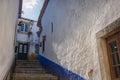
(56, 69)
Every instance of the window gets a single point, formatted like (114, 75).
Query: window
(113, 46)
(23, 27)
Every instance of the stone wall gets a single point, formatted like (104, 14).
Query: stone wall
(72, 43)
(8, 17)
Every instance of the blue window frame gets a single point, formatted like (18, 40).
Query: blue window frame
(24, 27)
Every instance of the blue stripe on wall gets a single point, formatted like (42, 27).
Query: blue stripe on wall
(55, 69)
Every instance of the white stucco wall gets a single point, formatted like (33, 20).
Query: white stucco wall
(75, 24)
(8, 17)
(34, 38)
(22, 37)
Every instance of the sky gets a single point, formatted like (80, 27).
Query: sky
(31, 9)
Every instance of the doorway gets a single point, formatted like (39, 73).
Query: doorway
(22, 51)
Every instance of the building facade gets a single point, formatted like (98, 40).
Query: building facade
(27, 38)
(80, 35)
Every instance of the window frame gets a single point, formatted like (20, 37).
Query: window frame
(24, 27)
(115, 37)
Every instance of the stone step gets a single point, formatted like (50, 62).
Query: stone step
(28, 62)
(30, 70)
(28, 66)
(18, 76)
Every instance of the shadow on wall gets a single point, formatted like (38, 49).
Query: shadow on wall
(48, 50)
(58, 70)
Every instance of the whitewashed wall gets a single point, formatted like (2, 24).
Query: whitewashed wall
(34, 38)
(8, 17)
(22, 37)
(75, 24)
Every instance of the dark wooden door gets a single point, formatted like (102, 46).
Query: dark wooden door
(22, 51)
(113, 46)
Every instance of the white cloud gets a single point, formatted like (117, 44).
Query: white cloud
(30, 4)
(31, 8)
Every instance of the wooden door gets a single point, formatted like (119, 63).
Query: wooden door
(22, 51)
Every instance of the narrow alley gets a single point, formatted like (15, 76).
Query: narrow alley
(59, 40)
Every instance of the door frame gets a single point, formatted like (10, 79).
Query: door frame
(25, 55)
(102, 48)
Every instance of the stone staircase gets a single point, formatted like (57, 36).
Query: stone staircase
(31, 70)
